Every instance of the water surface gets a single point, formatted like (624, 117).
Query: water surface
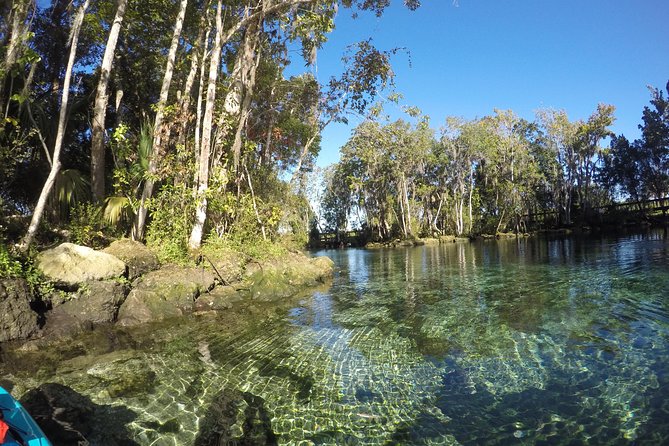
(531, 341)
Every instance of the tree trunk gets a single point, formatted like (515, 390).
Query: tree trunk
(100, 108)
(195, 239)
(140, 221)
(198, 111)
(62, 118)
(250, 61)
(471, 192)
(17, 17)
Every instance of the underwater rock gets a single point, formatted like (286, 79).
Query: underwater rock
(123, 375)
(17, 319)
(167, 292)
(69, 418)
(69, 265)
(139, 259)
(238, 418)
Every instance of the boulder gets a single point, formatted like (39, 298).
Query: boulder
(17, 319)
(220, 298)
(70, 265)
(165, 293)
(281, 279)
(139, 259)
(226, 265)
(93, 304)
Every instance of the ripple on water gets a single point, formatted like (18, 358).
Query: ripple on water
(531, 341)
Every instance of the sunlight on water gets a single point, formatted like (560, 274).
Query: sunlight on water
(533, 341)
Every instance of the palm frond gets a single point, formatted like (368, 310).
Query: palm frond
(71, 188)
(117, 209)
(145, 146)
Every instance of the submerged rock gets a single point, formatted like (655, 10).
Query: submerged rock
(165, 293)
(123, 374)
(224, 423)
(17, 319)
(139, 259)
(70, 265)
(69, 418)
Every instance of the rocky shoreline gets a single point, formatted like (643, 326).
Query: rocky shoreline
(125, 285)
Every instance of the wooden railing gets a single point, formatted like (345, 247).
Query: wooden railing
(617, 211)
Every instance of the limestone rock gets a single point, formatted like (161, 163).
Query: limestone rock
(220, 298)
(227, 266)
(70, 265)
(94, 303)
(17, 319)
(281, 279)
(165, 293)
(139, 259)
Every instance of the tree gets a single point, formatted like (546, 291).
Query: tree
(589, 153)
(205, 143)
(641, 168)
(100, 107)
(655, 145)
(140, 221)
(55, 168)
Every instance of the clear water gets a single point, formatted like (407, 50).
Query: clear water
(530, 341)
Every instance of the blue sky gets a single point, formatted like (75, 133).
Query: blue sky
(477, 55)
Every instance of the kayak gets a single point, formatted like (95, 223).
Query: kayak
(23, 430)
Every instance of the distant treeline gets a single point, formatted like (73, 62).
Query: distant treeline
(488, 175)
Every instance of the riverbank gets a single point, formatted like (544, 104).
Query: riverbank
(126, 285)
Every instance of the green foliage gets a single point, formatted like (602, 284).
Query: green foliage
(12, 267)
(71, 189)
(255, 248)
(171, 219)
(86, 225)
(9, 266)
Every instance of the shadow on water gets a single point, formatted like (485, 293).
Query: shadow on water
(233, 411)
(69, 418)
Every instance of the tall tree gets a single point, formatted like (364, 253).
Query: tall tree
(17, 34)
(140, 221)
(62, 121)
(205, 143)
(100, 107)
(588, 151)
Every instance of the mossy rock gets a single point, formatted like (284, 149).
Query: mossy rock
(281, 279)
(17, 319)
(124, 375)
(220, 298)
(165, 293)
(139, 259)
(69, 265)
(227, 265)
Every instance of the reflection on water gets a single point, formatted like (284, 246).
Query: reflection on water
(530, 341)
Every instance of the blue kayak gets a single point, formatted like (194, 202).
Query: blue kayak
(22, 428)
